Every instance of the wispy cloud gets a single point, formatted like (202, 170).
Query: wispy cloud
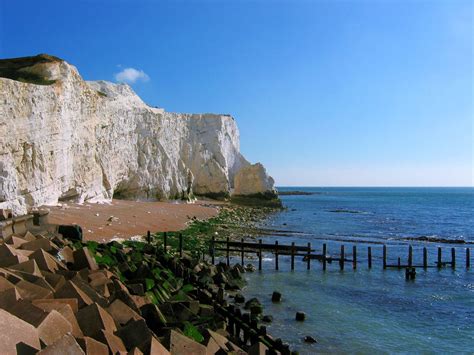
(131, 76)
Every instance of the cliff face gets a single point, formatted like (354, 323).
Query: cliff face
(81, 141)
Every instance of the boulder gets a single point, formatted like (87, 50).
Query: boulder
(300, 316)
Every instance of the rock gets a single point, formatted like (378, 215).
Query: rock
(309, 339)
(252, 302)
(13, 330)
(300, 316)
(267, 318)
(250, 268)
(253, 180)
(276, 297)
(239, 298)
(206, 310)
(256, 310)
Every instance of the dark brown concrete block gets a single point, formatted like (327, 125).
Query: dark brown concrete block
(135, 334)
(29, 266)
(9, 297)
(114, 343)
(121, 313)
(65, 345)
(92, 319)
(72, 302)
(13, 330)
(84, 259)
(178, 343)
(46, 261)
(53, 328)
(156, 348)
(5, 284)
(71, 290)
(41, 243)
(93, 347)
(66, 311)
(30, 291)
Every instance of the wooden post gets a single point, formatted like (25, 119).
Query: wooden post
(399, 263)
(148, 237)
(324, 256)
(369, 257)
(341, 260)
(180, 245)
(453, 258)
(410, 256)
(213, 251)
(260, 254)
(468, 258)
(425, 258)
(242, 252)
(354, 257)
(228, 252)
(439, 257)
(384, 256)
(292, 256)
(276, 255)
(308, 266)
(165, 242)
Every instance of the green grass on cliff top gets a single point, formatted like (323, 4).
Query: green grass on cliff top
(11, 69)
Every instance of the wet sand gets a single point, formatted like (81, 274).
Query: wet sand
(125, 219)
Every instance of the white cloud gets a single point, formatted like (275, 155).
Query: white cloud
(131, 76)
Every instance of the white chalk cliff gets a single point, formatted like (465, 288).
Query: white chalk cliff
(88, 141)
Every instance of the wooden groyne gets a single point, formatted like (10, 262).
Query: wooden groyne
(360, 255)
(309, 253)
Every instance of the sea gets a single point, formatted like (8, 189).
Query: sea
(372, 310)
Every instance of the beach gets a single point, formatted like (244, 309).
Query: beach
(125, 219)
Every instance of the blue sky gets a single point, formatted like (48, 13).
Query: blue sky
(325, 93)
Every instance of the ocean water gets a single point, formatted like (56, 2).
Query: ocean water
(372, 310)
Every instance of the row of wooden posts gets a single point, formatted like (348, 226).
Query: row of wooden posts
(306, 251)
(293, 251)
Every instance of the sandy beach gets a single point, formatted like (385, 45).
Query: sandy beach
(124, 219)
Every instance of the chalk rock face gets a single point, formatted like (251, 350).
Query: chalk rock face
(253, 179)
(90, 141)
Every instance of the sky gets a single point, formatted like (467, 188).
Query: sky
(325, 93)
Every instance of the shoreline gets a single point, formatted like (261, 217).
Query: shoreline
(172, 297)
(124, 219)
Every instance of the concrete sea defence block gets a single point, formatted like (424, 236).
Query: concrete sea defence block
(13, 330)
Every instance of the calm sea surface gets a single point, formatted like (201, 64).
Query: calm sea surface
(373, 310)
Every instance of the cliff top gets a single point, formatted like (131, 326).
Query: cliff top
(17, 68)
